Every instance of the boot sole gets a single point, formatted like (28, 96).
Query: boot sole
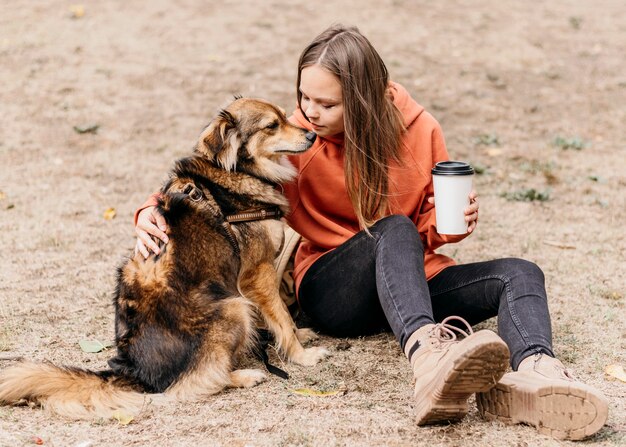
(563, 409)
(484, 360)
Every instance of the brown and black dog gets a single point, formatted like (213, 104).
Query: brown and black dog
(184, 317)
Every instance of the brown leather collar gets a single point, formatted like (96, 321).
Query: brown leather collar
(248, 216)
(252, 215)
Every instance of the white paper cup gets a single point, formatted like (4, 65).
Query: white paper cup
(452, 181)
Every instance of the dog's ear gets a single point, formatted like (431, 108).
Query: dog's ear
(220, 140)
(214, 135)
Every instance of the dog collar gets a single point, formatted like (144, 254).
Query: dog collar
(252, 215)
(248, 216)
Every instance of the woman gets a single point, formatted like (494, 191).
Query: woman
(363, 203)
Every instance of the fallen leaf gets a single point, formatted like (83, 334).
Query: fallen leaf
(37, 440)
(2, 195)
(612, 295)
(110, 214)
(77, 11)
(89, 128)
(494, 152)
(616, 371)
(93, 346)
(122, 418)
(597, 179)
(315, 393)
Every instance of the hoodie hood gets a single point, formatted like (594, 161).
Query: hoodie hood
(407, 106)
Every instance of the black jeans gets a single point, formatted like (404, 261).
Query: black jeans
(372, 283)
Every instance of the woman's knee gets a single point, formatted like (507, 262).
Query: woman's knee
(399, 226)
(515, 267)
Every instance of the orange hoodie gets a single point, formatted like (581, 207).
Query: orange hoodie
(321, 210)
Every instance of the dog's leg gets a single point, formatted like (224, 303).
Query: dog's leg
(306, 335)
(260, 286)
(247, 378)
(226, 339)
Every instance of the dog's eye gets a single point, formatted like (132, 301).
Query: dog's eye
(188, 188)
(272, 125)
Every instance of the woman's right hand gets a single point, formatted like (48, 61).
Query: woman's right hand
(150, 225)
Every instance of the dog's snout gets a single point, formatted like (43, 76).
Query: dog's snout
(311, 136)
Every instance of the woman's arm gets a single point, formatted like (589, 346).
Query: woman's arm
(425, 216)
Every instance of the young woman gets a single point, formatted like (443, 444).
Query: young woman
(363, 203)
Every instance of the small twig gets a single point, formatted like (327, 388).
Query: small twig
(280, 358)
(10, 357)
(560, 245)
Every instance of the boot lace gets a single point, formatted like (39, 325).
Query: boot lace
(446, 332)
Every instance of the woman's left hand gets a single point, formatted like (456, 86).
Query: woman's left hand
(471, 212)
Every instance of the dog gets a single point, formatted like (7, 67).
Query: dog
(184, 317)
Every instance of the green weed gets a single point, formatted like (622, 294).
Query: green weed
(545, 168)
(296, 438)
(575, 143)
(479, 168)
(527, 195)
(575, 22)
(487, 139)
(5, 338)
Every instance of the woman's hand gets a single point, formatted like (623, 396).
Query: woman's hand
(471, 212)
(150, 225)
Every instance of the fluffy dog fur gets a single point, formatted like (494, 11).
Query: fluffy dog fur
(185, 316)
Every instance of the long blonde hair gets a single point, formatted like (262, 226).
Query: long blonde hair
(373, 126)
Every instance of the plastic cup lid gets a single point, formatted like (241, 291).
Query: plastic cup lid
(452, 168)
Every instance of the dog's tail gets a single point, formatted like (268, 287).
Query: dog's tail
(71, 392)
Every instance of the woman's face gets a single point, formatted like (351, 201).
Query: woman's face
(322, 100)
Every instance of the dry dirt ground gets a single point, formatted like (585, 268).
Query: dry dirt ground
(532, 93)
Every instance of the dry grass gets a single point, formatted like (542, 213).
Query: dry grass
(150, 74)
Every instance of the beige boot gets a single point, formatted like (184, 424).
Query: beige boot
(544, 394)
(448, 370)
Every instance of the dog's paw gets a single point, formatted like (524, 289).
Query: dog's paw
(306, 335)
(247, 378)
(310, 356)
